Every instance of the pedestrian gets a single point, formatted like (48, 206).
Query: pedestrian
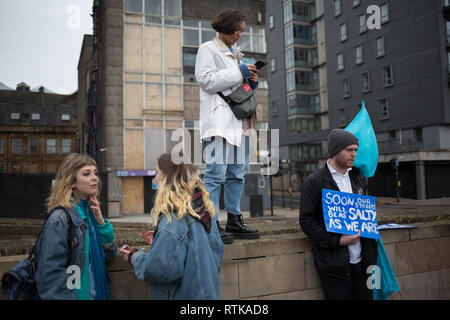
(341, 260)
(76, 190)
(186, 252)
(218, 68)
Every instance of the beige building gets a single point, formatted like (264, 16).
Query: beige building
(147, 88)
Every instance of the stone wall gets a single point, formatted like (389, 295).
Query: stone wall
(282, 267)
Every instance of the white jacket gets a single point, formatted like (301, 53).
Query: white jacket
(217, 69)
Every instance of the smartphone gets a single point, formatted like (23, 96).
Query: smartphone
(259, 64)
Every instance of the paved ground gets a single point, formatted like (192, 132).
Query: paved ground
(387, 208)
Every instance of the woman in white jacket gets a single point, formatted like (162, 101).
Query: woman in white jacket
(226, 138)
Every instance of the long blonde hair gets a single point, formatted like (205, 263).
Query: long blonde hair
(176, 188)
(61, 192)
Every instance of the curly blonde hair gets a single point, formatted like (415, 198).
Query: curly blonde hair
(176, 188)
(61, 192)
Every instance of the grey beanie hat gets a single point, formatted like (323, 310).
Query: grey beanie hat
(338, 140)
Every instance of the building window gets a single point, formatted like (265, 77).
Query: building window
(359, 58)
(343, 34)
(337, 8)
(305, 152)
(274, 107)
(380, 47)
(15, 116)
(342, 117)
(35, 116)
(384, 109)
(301, 57)
(448, 32)
(362, 23)
(448, 60)
(300, 125)
(290, 58)
(365, 82)
(191, 37)
(287, 9)
(33, 146)
(356, 3)
(346, 88)
(384, 13)
(17, 146)
(2, 146)
(252, 39)
(271, 22)
(303, 104)
(302, 81)
(65, 117)
(272, 65)
(388, 76)
(300, 34)
(51, 146)
(134, 6)
(418, 138)
(340, 61)
(66, 146)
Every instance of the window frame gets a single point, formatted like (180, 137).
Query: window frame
(356, 55)
(378, 52)
(368, 82)
(48, 145)
(386, 83)
(383, 113)
(341, 54)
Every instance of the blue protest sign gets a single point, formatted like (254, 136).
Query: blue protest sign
(348, 213)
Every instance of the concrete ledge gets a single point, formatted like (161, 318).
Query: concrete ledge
(281, 266)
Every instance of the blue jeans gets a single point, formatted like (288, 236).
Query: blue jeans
(226, 164)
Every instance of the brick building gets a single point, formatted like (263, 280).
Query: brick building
(37, 129)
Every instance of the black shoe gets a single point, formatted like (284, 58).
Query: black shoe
(236, 226)
(226, 237)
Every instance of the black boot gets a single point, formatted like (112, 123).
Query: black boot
(236, 226)
(226, 237)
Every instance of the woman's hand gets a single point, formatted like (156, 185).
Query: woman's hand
(125, 251)
(95, 207)
(253, 72)
(147, 236)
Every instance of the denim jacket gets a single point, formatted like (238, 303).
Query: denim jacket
(51, 254)
(184, 261)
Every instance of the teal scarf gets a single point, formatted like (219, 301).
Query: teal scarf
(96, 253)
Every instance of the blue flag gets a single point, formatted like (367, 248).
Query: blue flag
(388, 283)
(367, 155)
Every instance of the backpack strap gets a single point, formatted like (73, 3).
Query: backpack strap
(69, 245)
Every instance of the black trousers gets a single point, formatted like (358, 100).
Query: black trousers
(354, 288)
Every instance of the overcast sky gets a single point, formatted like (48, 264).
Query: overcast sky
(40, 42)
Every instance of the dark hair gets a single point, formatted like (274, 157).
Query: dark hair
(228, 21)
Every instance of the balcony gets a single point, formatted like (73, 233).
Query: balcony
(395, 146)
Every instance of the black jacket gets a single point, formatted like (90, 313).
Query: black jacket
(329, 256)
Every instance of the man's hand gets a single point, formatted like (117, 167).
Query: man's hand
(348, 240)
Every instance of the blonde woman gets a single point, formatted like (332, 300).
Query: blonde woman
(186, 250)
(75, 225)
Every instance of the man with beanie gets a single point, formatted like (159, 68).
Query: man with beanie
(341, 260)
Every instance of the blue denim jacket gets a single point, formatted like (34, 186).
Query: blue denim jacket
(51, 254)
(183, 262)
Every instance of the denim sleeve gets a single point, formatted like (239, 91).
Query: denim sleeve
(253, 85)
(51, 276)
(244, 70)
(164, 263)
